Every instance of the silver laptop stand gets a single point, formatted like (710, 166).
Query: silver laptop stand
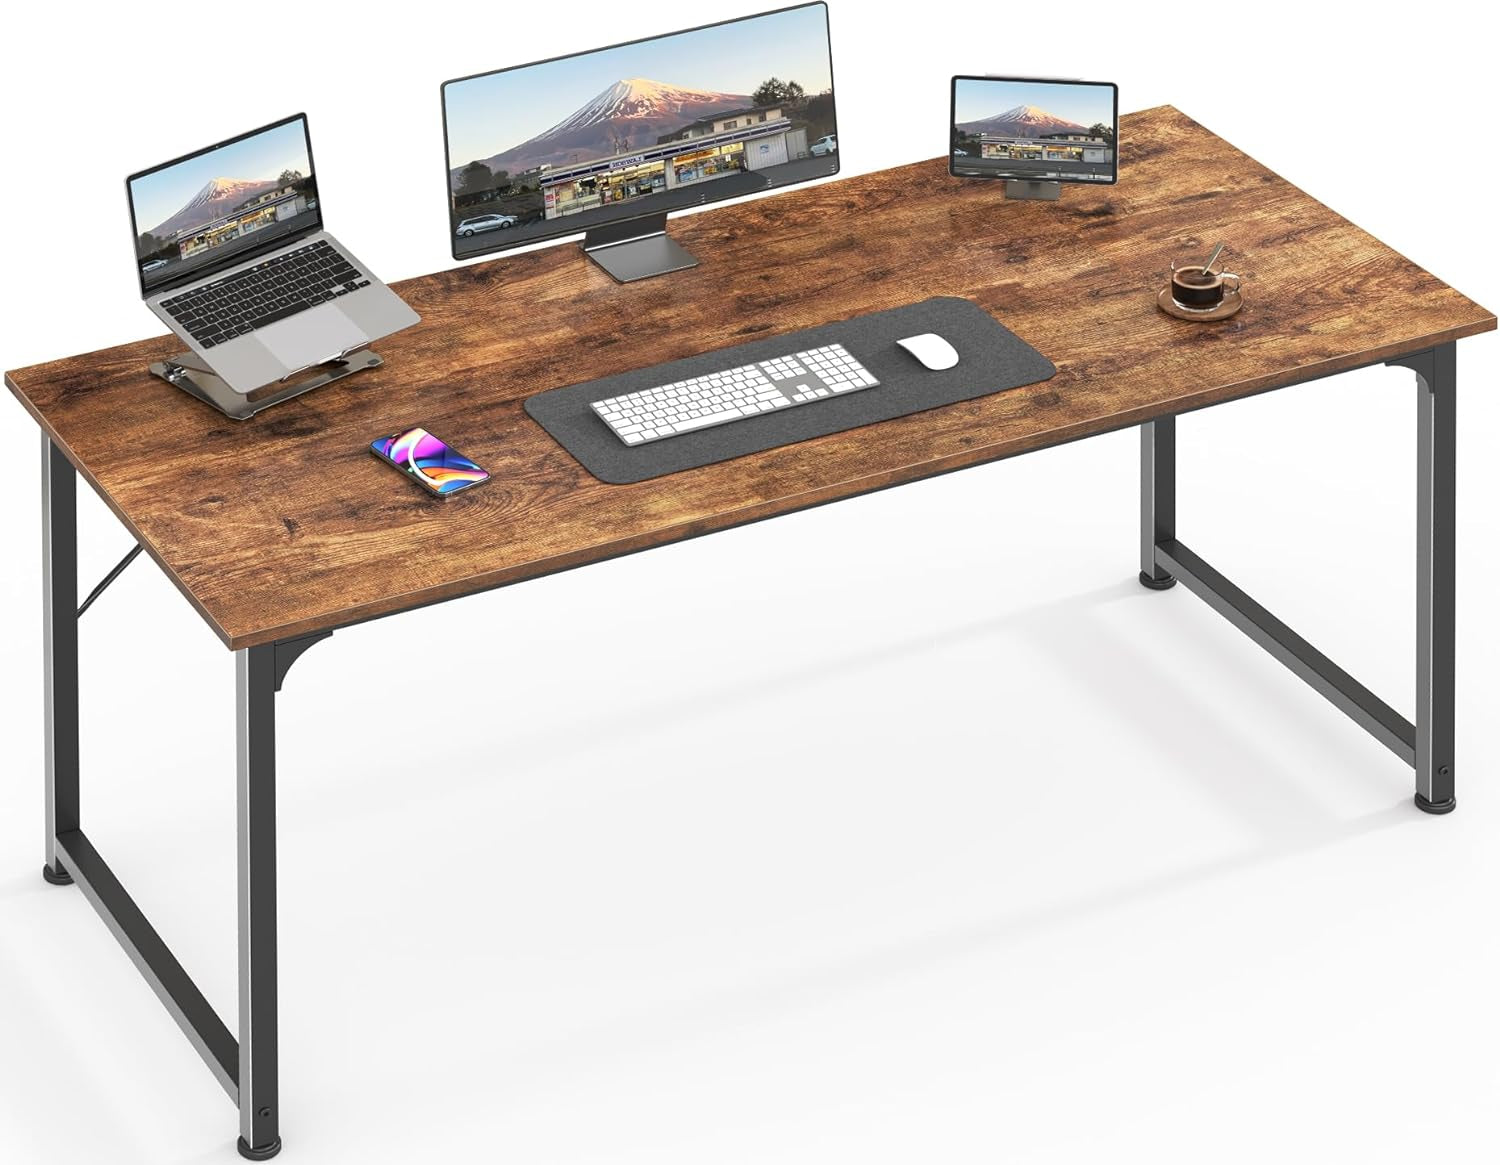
(189, 372)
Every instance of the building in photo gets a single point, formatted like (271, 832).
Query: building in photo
(728, 143)
(1056, 147)
(273, 206)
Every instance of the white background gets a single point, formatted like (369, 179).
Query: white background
(978, 852)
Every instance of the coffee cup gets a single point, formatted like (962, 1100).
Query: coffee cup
(1199, 289)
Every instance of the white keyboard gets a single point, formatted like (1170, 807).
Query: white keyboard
(735, 393)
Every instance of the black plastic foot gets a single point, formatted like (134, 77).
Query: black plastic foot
(58, 877)
(1157, 584)
(1427, 806)
(264, 1153)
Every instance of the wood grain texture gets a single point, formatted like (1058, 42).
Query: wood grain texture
(285, 524)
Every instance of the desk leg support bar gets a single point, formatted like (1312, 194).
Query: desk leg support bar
(1426, 745)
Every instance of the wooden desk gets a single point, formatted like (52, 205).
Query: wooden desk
(283, 528)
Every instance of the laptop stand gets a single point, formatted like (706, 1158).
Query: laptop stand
(188, 372)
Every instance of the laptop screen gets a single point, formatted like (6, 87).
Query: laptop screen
(211, 208)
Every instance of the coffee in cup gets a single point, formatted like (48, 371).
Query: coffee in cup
(1199, 289)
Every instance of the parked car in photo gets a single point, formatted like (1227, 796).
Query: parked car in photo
(957, 153)
(824, 145)
(485, 222)
(154, 265)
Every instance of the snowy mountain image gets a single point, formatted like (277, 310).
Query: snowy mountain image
(1023, 121)
(639, 98)
(217, 198)
(629, 115)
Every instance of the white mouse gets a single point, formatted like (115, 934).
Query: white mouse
(931, 351)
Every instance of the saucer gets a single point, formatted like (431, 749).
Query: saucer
(1222, 310)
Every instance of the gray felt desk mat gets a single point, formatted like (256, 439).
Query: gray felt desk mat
(991, 359)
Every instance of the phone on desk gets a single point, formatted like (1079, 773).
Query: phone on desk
(433, 464)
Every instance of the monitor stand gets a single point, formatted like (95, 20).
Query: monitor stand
(636, 249)
(1026, 188)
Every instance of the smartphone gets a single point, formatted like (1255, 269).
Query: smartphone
(433, 464)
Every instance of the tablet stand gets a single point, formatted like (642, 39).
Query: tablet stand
(189, 372)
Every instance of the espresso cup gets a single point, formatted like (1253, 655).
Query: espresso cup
(1193, 287)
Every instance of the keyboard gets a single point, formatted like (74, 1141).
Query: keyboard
(721, 398)
(283, 285)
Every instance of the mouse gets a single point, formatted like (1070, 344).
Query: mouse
(931, 351)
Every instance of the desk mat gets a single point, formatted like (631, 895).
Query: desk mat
(991, 358)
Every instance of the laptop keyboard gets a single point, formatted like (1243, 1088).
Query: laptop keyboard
(283, 285)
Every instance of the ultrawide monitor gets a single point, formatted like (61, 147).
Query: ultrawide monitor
(1034, 130)
(592, 140)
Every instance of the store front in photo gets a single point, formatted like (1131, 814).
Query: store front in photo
(716, 147)
(714, 162)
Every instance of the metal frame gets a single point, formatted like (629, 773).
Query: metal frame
(246, 1066)
(1426, 745)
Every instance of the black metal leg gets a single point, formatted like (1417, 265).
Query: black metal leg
(1158, 498)
(60, 651)
(1436, 449)
(1426, 745)
(256, 682)
(247, 1070)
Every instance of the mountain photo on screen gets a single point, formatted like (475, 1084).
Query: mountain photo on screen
(1038, 130)
(556, 147)
(205, 208)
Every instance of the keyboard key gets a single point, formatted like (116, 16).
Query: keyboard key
(703, 422)
(277, 313)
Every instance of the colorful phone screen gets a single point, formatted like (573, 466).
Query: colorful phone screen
(437, 466)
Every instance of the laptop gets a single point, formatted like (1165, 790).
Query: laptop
(233, 258)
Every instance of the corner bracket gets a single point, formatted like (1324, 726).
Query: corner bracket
(288, 651)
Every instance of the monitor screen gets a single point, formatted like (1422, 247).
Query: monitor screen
(1043, 131)
(550, 149)
(207, 209)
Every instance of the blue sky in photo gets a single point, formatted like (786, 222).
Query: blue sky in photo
(157, 197)
(488, 115)
(1084, 104)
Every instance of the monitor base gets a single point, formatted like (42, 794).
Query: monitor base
(189, 372)
(1039, 191)
(637, 249)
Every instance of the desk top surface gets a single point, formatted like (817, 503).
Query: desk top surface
(284, 524)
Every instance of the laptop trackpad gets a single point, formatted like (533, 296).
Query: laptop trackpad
(311, 336)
